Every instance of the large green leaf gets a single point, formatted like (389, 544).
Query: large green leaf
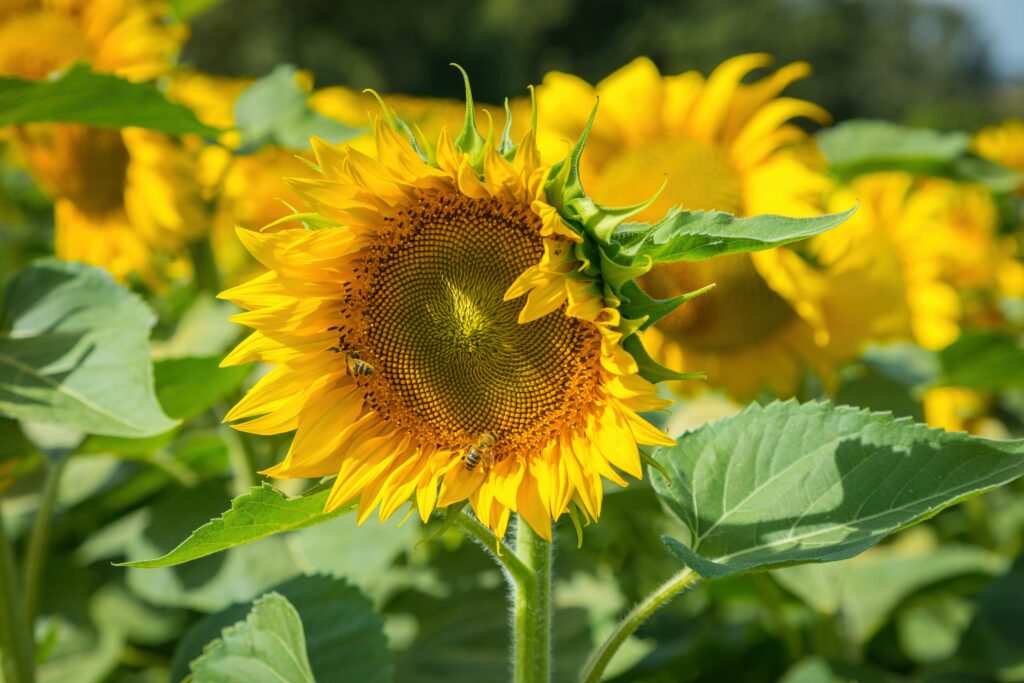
(696, 235)
(268, 647)
(344, 636)
(792, 483)
(262, 512)
(74, 352)
(863, 146)
(274, 110)
(863, 592)
(186, 387)
(80, 96)
(983, 360)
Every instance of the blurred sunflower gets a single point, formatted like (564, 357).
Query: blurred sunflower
(118, 194)
(720, 144)
(954, 265)
(247, 190)
(405, 359)
(1003, 143)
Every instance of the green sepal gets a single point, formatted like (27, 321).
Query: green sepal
(647, 459)
(450, 513)
(563, 184)
(574, 516)
(617, 272)
(600, 221)
(470, 142)
(398, 124)
(506, 147)
(311, 221)
(589, 256)
(636, 303)
(649, 368)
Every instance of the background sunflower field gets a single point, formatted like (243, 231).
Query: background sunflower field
(140, 138)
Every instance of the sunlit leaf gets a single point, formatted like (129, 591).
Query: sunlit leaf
(696, 235)
(79, 95)
(792, 483)
(74, 352)
(274, 110)
(262, 512)
(268, 647)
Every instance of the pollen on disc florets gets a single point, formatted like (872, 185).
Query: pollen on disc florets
(451, 361)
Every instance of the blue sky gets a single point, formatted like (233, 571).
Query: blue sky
(1001, 24)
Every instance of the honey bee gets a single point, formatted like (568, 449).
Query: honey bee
(357, 367)
(480, 452)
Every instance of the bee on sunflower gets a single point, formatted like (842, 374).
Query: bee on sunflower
(460, 326)
(718, 143)
(120, 196)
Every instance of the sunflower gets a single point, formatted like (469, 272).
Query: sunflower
(404, 353)
(720, 144)
(1003, 143)
(118, 194)
(247, 190)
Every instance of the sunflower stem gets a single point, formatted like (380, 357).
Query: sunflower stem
(39, 539)
(516, 572)
(204, 266)
(531, 646)
(16, 655)
(598, 661)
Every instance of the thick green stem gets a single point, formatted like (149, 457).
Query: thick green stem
(39, 540)
(16, 648)
(204, 266)
(598, 662)
(531, 647)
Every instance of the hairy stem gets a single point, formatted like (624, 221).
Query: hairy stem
(516, 572)
(531, 646)
(598, 661)
(39, 539)
(16, 647)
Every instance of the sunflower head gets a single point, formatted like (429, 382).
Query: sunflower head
(443, 330)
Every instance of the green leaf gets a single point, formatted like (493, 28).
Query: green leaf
(262, 512)
(13, 444)
(790, 483)
(818, 670)
(185, 10)
(80, 96)
(864, 592)
(75, 352)
(268, 647)
(696, 235)
(343, 633)
(983, 360)
(187, 387)
(274, 110)
(995, 635)
(872, 145)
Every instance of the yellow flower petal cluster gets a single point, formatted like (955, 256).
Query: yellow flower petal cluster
(1003, 143)
(719, 143)
(119, 195)
(405, 357)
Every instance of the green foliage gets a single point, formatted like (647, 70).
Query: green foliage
(344, 636)
(268, 647)
(790, 483)
(188, 387)
(79, 95)
(866, 146)
(983, 360)
(262, 512)
(74, 352)
(273, 110)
